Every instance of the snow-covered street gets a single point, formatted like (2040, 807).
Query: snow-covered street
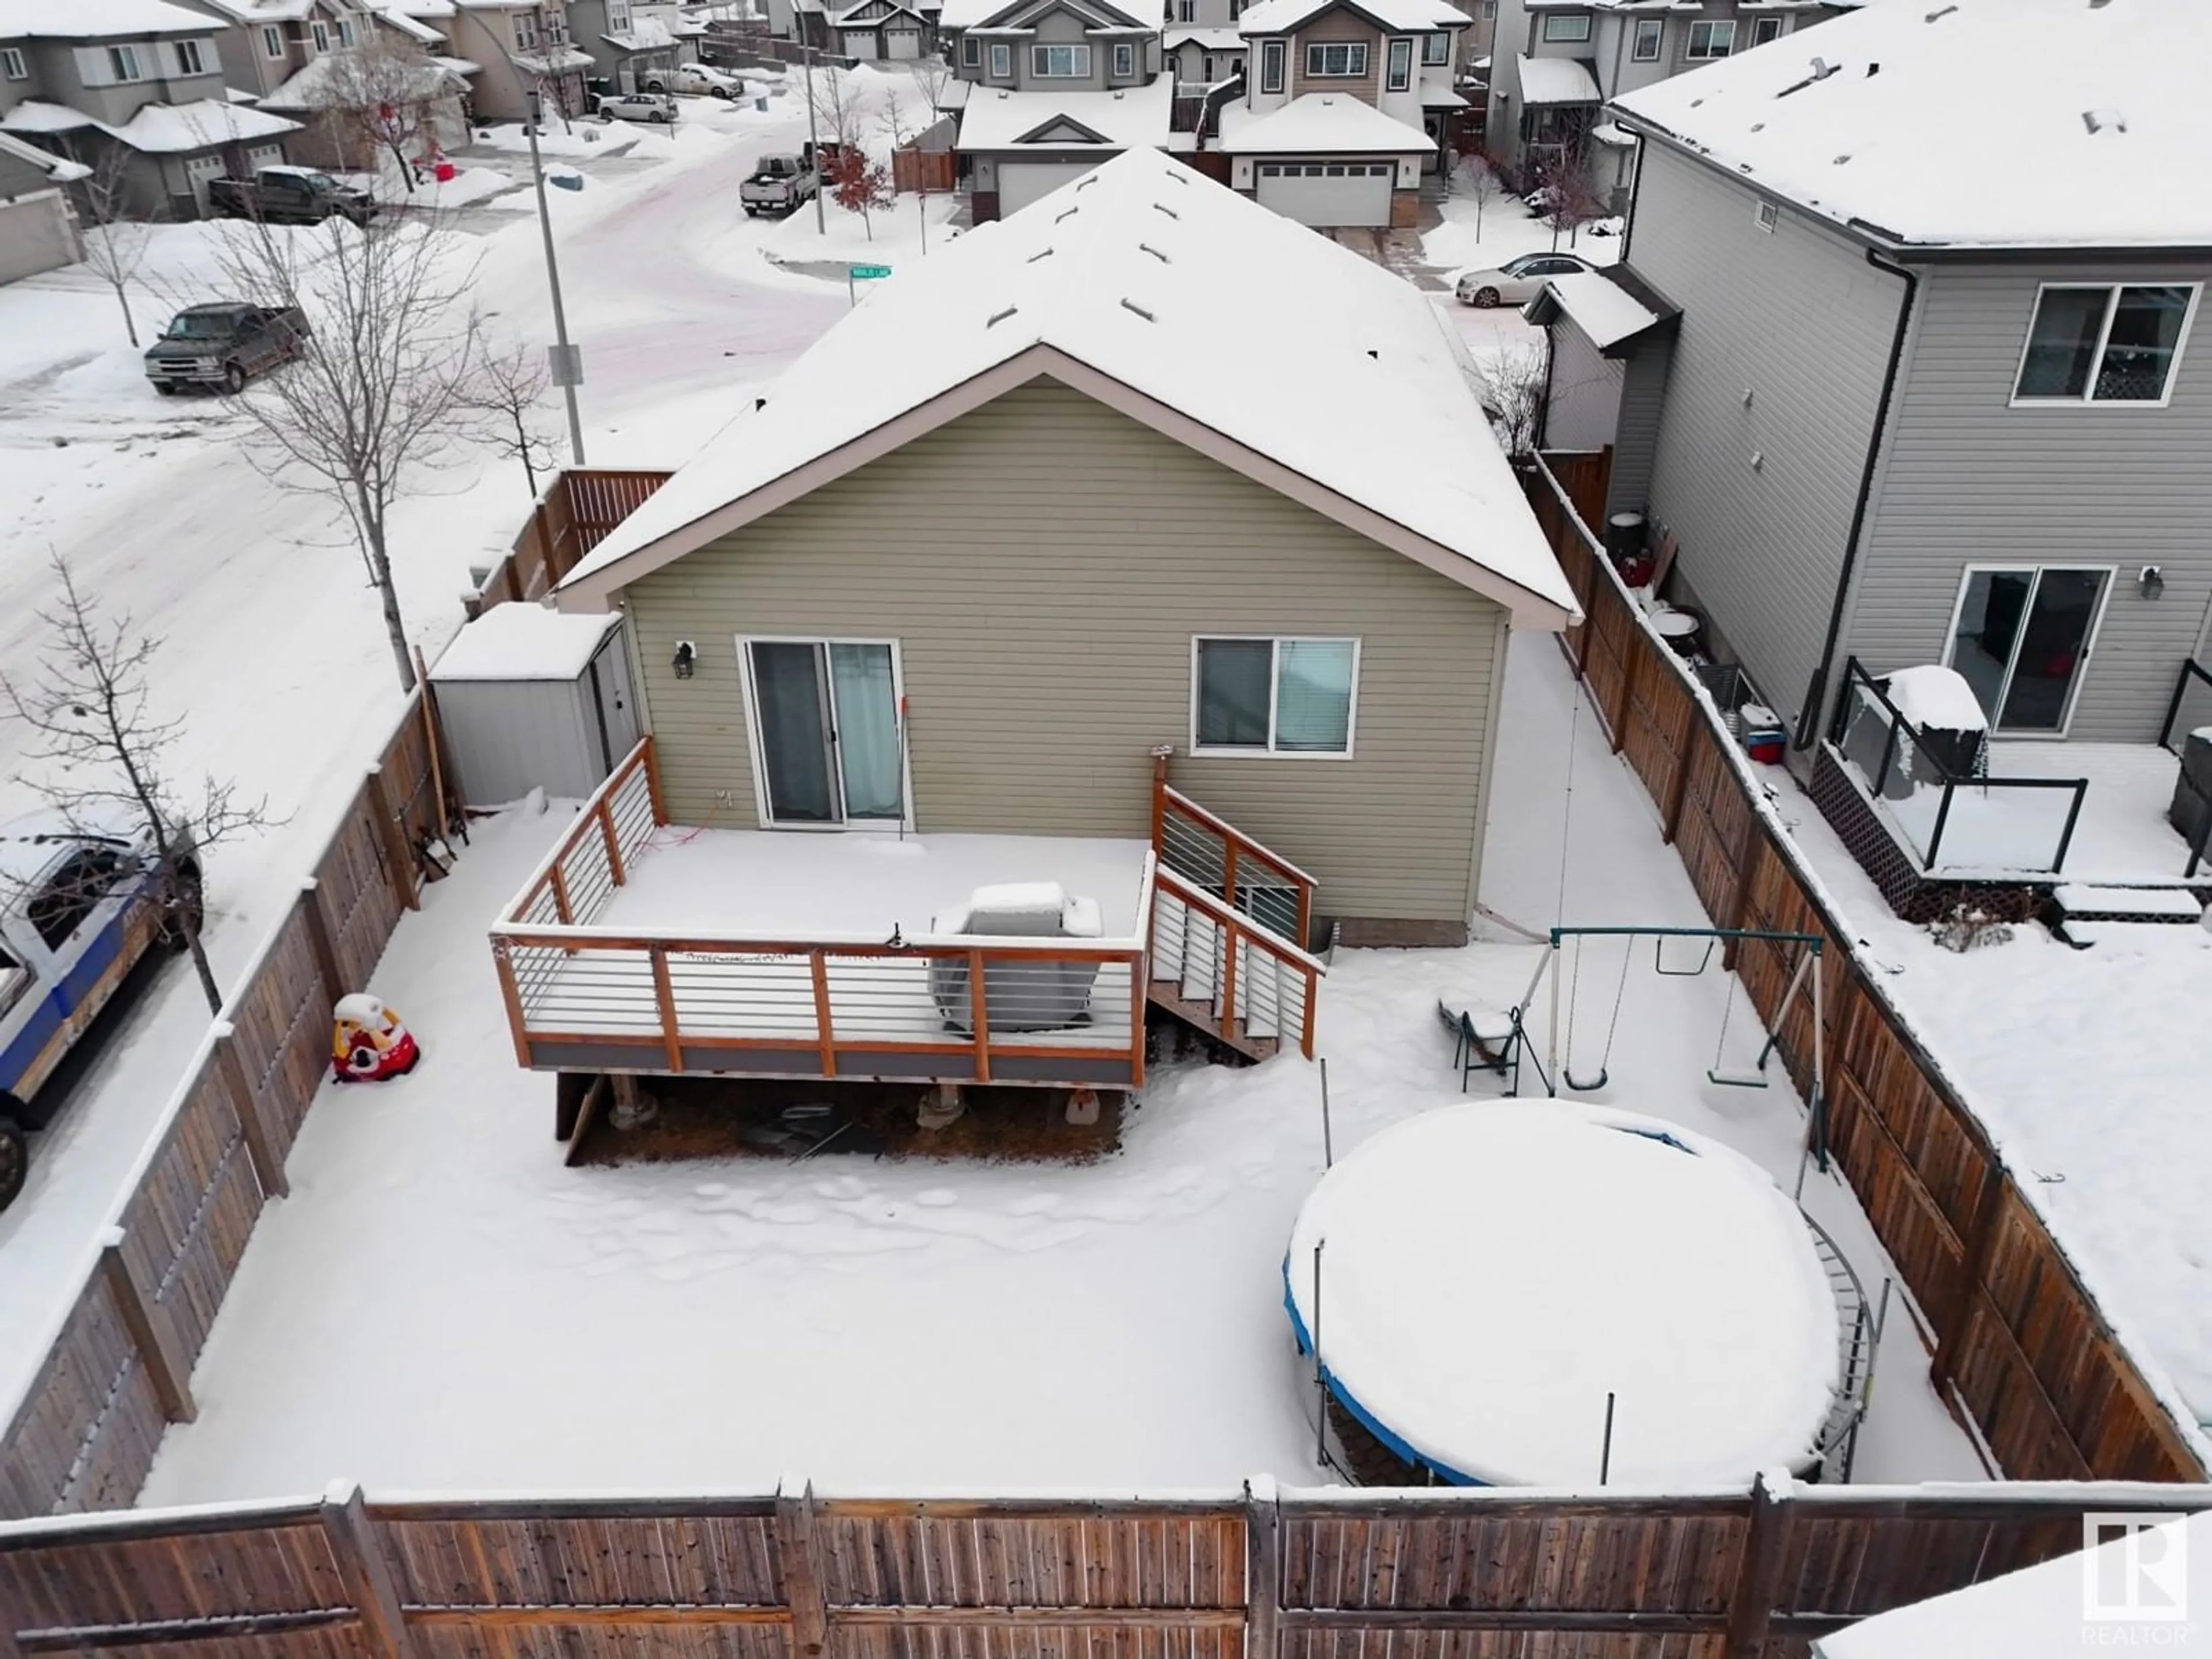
(275, 655)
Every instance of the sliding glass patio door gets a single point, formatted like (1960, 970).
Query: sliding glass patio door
(828, 747)
(2021, 638)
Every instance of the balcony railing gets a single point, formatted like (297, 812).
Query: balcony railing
(2190, 709)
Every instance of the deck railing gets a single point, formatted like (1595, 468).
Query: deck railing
(1223, 863)
(1259, 985)
(951, 1008)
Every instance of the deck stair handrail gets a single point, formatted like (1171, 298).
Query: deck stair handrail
(1221, 860)
(1255, 987)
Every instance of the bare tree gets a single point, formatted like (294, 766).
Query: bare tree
(382, 385)
(906, 127)
(114, 245)
(1569, 198)
(509, 391)
(380, 95)
(108, 753)
(1514, 389)
(1479, 180)
(836, 101)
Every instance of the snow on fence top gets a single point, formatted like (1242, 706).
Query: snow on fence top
(1969, 123)
(1159, 280)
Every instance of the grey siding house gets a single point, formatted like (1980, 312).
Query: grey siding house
(1913, 415)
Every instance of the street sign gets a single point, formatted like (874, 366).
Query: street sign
(864, 273)
(567, 364)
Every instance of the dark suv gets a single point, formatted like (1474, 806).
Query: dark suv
(221, 347)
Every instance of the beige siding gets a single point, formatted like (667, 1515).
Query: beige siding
(1584, 409)
(1339, 25)
(1044, 562)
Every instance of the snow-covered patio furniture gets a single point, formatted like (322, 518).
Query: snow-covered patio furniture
(1018, 996)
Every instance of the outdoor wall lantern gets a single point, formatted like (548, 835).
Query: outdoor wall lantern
(2152, 582)
(687, 658)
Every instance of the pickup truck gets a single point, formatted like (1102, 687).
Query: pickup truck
(289, 196)
(82, 901)
(221, 346)
(779, 185)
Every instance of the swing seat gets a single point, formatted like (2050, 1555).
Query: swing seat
(1485, 1040)
(1736, 1079)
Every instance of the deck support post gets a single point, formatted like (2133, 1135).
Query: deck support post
(1759, 1580)
(366, 1575)
(1263, 1568)
(799, 1554)
(151, 1333)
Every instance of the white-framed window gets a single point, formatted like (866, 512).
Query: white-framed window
(526, 33)
(345, 32)
(1570, 27)
(2100, 344)
(319, 32)
(971, 52)
(1400, 75)
(1236, 10)
(1436, 48)
(828, 748)
(1125, 60)
(1650, 40)
(1002, 59)
(190, 59)
(1489, 11)
(1271, 66)
(1260, 695)
(1765, 216)
(272, 40)
(1336, 59)
(13, 64)
(1711, 39)
(122, 62)
(1059, 63)
(1764, 29)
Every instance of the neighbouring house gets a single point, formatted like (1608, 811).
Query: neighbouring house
(355, 102)
(1343, 106)
(427, 24)
(884, 29)
(262, 44)
(1555, 64)
(133, 90)
(521, 49)
(1029, 531)
(1202, 55)
(629, 47)
(1053, 87)
(1605, 376)
(38, 230)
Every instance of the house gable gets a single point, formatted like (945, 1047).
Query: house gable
(1061, 130)
(1089, 14)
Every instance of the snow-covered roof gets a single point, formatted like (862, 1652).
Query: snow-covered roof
(37, 115)
(421, 9)
(176, 129)
(57, 169)
(1605, 311)
(523, 642)
(1281, 16)
(1208, 40)
(1556, 81)
(556, 61)
(644, 34)
(98, 20)
(264, 11)
(1130, 118)
(2044, 1612)
(460, 66)
(415, 30)
(311, 87)
(1974, 123)
(968, 13)
(1140, 277)
(1320, 124)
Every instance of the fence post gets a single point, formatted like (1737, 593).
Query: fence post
(318, 940)
(1263, 1567)
(394, 834)
(1639, 647)
(151, 1333)
(1678, 786)
(1953, 1318)
(801, 1561)
(366, 1573)
(1759, 1580)
(260, 1151)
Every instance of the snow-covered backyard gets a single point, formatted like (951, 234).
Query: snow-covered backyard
(442, 1301)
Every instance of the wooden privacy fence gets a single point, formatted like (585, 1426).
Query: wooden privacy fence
(583, 996)
(934, 170)
(117, 1368)
(1726, 1575)
(2021, 1342)
(572, 515)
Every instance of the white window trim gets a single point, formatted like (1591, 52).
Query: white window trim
(1772, 24)
(1002, 60)
(1440, 40)
(758, 755)
(1040, 54)
(319, 33)
(1125, 58)
(1722, 29)
(1657, 25)
(14, 66)
(196, 62)
(2087, 399)
(971, 52)
(1274, 680)
(1581, 17)
(1967, 575)
(1393, 79)
(1274, 66)
(1347, 47)
(272, 42)
(1765, 215)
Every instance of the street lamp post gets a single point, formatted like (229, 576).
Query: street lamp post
(813, 139)
(568, 362)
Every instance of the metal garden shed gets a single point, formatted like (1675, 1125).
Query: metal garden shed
(532, 698)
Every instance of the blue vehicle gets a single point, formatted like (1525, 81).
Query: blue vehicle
(80, 908)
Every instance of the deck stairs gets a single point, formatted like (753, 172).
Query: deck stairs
(1229, 920)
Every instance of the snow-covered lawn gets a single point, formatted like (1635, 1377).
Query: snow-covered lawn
(1503, 229)
(442, 1302)
(890, 236)
(2092, 1070)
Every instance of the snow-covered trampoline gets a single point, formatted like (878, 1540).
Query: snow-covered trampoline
(1481, 1278)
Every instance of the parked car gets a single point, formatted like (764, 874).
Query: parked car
(698, 79)
(778, 185)
(648, 106)
(1517, 280)
(289, 196)
(221, 346)
(83, 901)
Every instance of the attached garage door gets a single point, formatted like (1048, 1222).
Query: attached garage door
(200, 171)
(902, 43)
(859, 43)
(1021, 183)
(1328, 193)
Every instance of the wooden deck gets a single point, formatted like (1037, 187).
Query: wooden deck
(1211, 943)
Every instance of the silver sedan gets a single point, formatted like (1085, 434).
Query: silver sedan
(1517, 280)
